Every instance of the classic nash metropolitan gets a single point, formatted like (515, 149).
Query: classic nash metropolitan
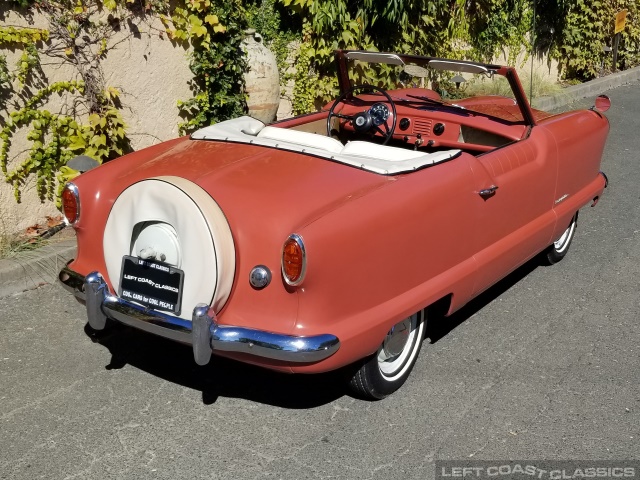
(322, 240)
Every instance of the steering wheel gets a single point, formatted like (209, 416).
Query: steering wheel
(371, 119)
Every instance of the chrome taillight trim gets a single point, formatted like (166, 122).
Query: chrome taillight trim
(298, 239)
(76, 193)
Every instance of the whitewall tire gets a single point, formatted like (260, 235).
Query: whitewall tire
(558, 249)
(387, 370)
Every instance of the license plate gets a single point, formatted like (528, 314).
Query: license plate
(153, 284)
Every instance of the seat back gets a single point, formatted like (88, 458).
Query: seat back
(301, 139)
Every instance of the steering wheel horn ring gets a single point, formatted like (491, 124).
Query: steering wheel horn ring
(363, 122)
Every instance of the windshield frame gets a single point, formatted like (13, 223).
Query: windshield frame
(343, 57)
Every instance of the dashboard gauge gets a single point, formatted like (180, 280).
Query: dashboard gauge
(379, 113)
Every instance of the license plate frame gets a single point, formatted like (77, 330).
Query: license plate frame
(151, 283)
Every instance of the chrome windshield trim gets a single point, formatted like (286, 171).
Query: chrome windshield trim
(453, 66)
(375, 57)
(203, 333)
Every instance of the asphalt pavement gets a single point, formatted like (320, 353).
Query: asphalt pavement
(544, 366)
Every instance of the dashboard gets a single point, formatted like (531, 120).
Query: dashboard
(437, 125)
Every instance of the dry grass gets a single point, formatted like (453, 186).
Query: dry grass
(7, 241)
(499, 86)
(14, 245)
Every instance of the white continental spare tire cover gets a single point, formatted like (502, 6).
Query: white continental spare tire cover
(187, 223)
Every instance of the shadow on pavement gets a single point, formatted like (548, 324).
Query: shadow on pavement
(439, 326)
(227, 378)
(221, 377)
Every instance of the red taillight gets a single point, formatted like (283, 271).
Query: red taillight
(71, 203)
(294, 260)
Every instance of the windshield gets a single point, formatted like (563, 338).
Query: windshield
(477, 87)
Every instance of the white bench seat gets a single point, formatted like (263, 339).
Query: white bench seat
(381, 159)
(303, 139)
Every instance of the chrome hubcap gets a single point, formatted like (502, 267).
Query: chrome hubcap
(397, 338)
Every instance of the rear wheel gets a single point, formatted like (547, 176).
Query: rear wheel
(387, 370)
(558, 249)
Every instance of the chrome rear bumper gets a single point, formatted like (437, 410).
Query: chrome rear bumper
(203, 332)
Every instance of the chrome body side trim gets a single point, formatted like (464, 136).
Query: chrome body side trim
(203, 332)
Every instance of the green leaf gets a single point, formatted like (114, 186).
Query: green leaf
(200, 31)
(77, 142)
(67, 174)
(76, 146)
(212, 19)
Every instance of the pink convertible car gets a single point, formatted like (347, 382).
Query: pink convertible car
(322, 240)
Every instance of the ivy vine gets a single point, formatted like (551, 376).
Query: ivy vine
(573, 33)
(304, 92)
(79, 35)
(215, 30)
(56, 137)
(583, 30)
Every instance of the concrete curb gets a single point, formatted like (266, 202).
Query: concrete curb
(33, 269)
(588, 89)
